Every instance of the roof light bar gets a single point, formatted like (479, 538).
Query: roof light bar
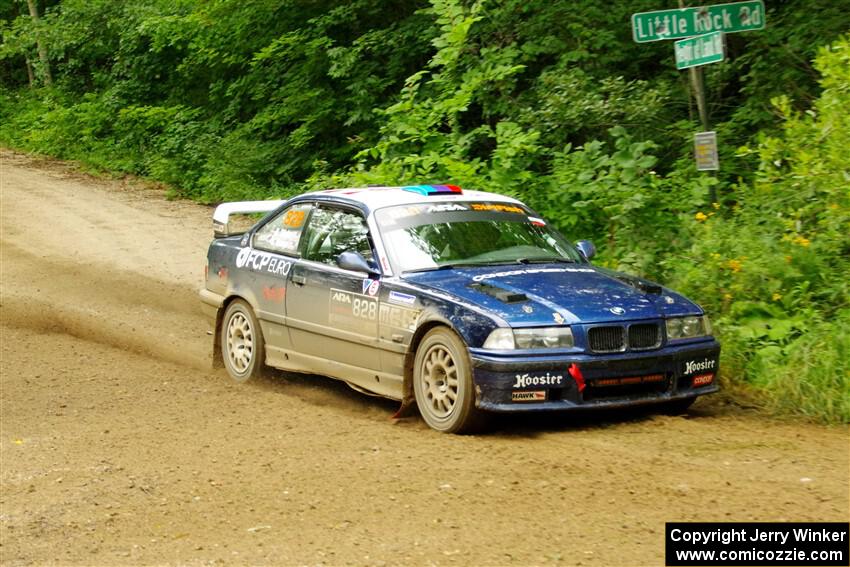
(427, 190)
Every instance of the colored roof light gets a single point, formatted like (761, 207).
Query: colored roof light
(433, 189)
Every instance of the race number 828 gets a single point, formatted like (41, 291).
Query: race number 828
(364, 309)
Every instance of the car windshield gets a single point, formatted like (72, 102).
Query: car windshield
(445, 234)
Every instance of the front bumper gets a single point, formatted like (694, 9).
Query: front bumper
(581, 381)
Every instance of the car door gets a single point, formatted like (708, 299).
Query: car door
(275, 250)
(332, 313)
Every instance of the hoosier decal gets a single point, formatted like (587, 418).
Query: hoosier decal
(693, 366)
(526, 380)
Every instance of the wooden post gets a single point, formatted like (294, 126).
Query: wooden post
(42, 49)
(30, 74)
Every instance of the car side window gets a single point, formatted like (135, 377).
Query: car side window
(334, 231)
(282, 233)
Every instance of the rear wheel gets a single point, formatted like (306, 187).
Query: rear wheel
(442, 383)
(242, 346)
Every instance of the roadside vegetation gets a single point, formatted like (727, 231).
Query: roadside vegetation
(549, 101)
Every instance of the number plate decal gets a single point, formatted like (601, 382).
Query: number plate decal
(353, 312)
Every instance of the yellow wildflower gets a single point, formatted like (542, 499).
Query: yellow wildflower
(734, 265)
(777, 296)
(700, 216)
(727, 296)
(716, 206)
(715, 255)
(802, 241)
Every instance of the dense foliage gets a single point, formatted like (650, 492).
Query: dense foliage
(550, 101)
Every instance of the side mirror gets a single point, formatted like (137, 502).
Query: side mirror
(586, 248)
(355, 262)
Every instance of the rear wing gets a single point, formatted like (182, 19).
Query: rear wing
(221, 216)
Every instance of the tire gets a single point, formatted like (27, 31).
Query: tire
(680, 406)
(242, 345)
(442, 383)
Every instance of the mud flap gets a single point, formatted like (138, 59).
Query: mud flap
(406, 408)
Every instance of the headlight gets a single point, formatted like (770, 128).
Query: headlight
(545, 337)
(688, 327)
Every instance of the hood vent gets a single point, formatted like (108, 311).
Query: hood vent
(642, 285)
(503, 295)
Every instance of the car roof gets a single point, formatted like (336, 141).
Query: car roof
(373, 198)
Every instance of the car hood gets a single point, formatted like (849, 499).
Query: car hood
(547, 294)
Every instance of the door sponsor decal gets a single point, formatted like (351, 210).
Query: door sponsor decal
(398, 317)
(274, 294)
(402, 298)
(262, 262)
(371, 287)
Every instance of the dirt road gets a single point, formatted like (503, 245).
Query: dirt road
(119, 444)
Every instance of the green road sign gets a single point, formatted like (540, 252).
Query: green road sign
(687, 22)
(699, 50)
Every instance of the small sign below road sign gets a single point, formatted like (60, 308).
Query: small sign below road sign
(687, 22)
(699, 50)
(705, 151)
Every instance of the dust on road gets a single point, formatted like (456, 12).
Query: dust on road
(120, 446)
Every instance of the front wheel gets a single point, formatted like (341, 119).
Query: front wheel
(242, 346)
(442, 383)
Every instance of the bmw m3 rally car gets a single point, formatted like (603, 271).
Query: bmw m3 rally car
(463, 302)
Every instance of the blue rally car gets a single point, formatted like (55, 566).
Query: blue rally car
(462, 302)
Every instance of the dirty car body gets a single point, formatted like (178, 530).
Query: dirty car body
(353, 283)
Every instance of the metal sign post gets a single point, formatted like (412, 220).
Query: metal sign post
(702, 28)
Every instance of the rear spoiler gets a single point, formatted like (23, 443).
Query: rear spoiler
(221, 216)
